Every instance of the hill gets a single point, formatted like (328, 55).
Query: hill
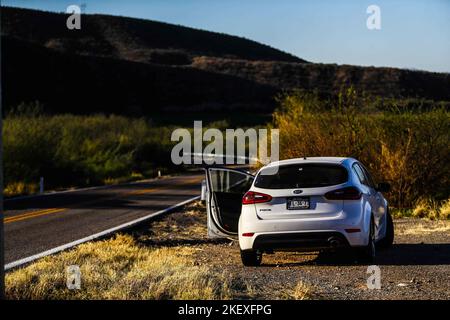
(139, 67)
(131, 39)
(70, 83)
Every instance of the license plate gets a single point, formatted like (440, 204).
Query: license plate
(298, 203)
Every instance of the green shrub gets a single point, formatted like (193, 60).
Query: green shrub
(69, 150)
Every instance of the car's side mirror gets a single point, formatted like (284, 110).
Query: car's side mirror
(384, 187)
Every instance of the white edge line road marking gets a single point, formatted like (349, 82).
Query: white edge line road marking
(69, 245)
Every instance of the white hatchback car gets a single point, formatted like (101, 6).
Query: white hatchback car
(306, 204)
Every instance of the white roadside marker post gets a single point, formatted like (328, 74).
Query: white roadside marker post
(41, 185)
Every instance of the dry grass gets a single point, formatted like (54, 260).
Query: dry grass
(426, 208)
(438, 226)
(444, 211)
(431, 209)
(120, 269)
(19, 188)
(301, 291)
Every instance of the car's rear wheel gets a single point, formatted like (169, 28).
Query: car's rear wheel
(367, 254)
(388, 239)
(251, 258)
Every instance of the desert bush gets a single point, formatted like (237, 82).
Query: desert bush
(408, 149)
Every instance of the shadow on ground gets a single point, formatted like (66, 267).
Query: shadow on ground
(181, 242)
(399, 254)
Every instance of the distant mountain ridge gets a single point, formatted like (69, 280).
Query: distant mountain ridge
(139, 67)
(130, 38)
(329, 78)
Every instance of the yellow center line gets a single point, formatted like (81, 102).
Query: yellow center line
(33, 214)
(143, 191)
(38, 213)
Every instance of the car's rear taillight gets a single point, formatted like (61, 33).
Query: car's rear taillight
(252, 197)
(248, 234)
(348, 193)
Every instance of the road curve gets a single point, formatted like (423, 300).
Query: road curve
(37, 224)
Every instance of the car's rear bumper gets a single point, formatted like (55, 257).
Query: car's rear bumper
(304, 241)
(351, 228)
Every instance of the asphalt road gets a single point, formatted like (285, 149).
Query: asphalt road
(34, 225)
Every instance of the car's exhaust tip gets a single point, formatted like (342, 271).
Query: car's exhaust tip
(334, 242)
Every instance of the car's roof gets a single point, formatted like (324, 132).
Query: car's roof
(336, 160)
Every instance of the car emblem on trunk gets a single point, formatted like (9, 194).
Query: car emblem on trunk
(297, 191)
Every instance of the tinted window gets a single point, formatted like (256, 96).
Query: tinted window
(302, 176)
(370, 181)
(363, 175)
(360, 174)
(223, 180)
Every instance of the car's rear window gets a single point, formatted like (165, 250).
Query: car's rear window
(306, 175)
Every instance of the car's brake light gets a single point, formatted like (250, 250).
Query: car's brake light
(348, 193)
(252, 197)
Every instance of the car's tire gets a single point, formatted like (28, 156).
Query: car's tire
(388, 239)
(367, 254)
(251, 258)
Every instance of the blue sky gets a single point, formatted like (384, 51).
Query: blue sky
(414, 33)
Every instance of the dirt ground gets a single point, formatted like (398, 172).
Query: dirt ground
(416, 267)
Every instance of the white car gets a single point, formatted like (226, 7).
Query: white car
(306, 204)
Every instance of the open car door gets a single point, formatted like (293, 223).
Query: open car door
(225, 189)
